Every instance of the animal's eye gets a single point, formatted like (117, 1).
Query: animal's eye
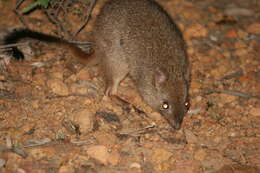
(165, 105)
(187, 105)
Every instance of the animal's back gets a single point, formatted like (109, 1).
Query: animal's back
(137, 37)
(142, 33)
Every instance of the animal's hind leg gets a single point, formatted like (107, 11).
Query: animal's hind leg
(114, 73)
(113, 79)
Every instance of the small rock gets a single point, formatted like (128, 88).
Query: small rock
(99, 152)
(242, 34)
(213, 38)
(57, 75)
(2, 162)
(200, 155)
(217, 72)
(235, 11)
(190, 137)
(135, 165)
(196, 31)
(255, 111)
(88, 101)
(58, 87)
(237, 169)
(2, 77)
(196, 84)
(106, 139)
(85, 120)
(42, 152)
(66, 169)
(254, 28)
(212, 163)
(14, 161)
(227, 98)
(35, 104)
(40, 79)
(114, 159)
(20, 170)
(81, 91)
(159, 155)
(156, 116)
(232, 33)
(83, 75)
(240, 44)
(23, 90)
(194, 111)
(191, 12)
(188, 166)
(241, 52)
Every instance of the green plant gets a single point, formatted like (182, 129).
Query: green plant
(37, 3)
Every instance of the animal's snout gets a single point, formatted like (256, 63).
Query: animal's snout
(178, 121)
(177, 125)
(175, 122)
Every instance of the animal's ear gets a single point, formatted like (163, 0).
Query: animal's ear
(160, 76)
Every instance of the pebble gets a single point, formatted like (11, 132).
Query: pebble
(237, 169)
(156, 116)
(240, 44)
(235, 11)
(232, 33)
(2, 77)
(83, 75)
(114, 159)
(255, 112)
(200, 155)
(159, 155)
(196, 31)
(20, 170)
(135, 165)
(2, 162)
(42, 152)
(84, 119)
(227, 98)
(66, 169)
(40, 79)
(57, 75)
(58, 87)
(241, 52)
(190, 137)
(105, 138)
(99, 152)
(188, 166)
(254, 28)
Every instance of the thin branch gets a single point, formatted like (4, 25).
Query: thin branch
(13, 45)
(18, 14)
(54, 20)
(86, 20)
(239, 93)
(234, 93)
(139, 130)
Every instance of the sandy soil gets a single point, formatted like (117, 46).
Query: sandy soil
(54, 116)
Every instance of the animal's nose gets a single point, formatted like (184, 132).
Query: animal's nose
(177, 125)
(178, 122)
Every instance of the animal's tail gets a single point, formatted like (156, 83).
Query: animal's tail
(19, 34)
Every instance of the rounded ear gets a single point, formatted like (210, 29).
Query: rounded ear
(160, 76)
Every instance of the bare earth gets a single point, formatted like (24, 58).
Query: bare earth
(54, 116)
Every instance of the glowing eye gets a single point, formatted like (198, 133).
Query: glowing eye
(187, 104)
(165, 105)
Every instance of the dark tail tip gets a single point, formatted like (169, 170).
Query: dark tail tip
(16, 53)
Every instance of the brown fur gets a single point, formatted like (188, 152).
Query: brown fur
(137, 37)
